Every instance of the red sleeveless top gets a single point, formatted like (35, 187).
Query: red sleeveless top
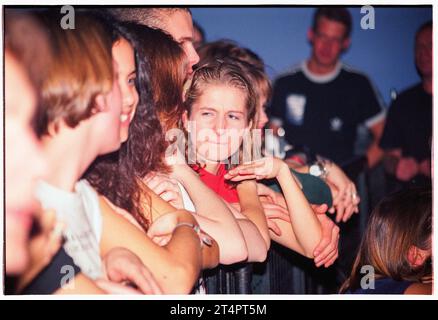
(218, 184)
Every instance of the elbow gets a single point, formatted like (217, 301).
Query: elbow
(308, 254)
(308, 251)
(185, 277)
(235, 252)
(258, 253)
(261, 256)
(267, 240)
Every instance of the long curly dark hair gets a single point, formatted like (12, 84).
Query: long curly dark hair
(118, 175)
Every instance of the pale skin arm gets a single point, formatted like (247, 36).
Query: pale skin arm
(251, 208)
(304, 222)
(214, 216)
(419, 288)
(175, 266)
(158, 207)
(305, 225)
(82, 285)
(341, 188)
(256, 246)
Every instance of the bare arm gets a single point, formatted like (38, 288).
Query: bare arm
(256, 246)
(251, 208)
(304, 222)
(374, 153)
(214, 216)
(175, 266)
(419, 288)
(81, 285)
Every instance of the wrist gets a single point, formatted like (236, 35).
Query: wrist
(204, 239)
(321, 168)
(184, 216)
(283, 169)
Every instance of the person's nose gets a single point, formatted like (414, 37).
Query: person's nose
(192, 56)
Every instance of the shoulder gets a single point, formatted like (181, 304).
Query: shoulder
(419, 288)
(289, 75)
(409, 93)
(356, 75)
(106, 204)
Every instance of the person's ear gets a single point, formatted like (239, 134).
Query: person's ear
(185, 120)
(99, 104)
(417, 256)
(346, 43)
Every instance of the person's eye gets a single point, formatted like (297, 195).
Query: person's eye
(207, 114)
(233, 117)
(131, 81)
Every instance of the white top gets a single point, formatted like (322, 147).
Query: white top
(187, 201)
(80, 212)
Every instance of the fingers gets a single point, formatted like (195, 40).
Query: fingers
(155, 288)
(115, 288)
(319, 209)
(242, 178)
(331, 259)
(137, 275)
(340, 211)
(330, 249)
(276, 211)
(274, 227)
(263, 190)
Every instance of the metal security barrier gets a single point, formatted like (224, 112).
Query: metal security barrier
(233, 279)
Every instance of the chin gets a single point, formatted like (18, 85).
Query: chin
(17, 255)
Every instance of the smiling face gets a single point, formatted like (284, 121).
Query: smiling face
(123, 54)
(218, 119)
(105, 124)
(24, 163)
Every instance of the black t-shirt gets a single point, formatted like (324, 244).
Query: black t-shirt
(53, 275)
(409, 124)
(324, 112)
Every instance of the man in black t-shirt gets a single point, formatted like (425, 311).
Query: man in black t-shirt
(322, 102)
(408, 131)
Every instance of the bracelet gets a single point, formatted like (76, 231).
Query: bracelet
(204, 240)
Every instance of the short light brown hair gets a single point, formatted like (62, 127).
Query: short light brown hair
(80, 70)
(151, 17)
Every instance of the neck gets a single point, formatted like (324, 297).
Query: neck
(67, 158)
(318, 68)
(428, 85)
(212, 167)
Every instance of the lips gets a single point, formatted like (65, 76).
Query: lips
(23, 216)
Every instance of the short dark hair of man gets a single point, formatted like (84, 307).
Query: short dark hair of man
(423, 27)
(338, 14)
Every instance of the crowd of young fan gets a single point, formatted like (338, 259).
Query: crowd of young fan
(134, 161)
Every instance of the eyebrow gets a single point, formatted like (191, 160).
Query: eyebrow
(132, 72)
(212, 109)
